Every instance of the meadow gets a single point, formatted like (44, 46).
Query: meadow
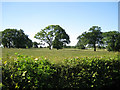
(57, 56)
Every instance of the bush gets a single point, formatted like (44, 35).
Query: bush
(26, 73)
(32, 73)
(93, 72)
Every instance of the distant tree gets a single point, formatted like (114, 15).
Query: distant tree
(29, 43)
(112, 40)
(35, 44)
(80, 46)
(7, 37)
(51, 33)
(61, 38)
(15, 38)
(81, 41)
(93, 37)
(57, 44)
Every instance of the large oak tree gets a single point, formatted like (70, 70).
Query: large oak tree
(53, 35)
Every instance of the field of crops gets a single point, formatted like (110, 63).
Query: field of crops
(65, 68)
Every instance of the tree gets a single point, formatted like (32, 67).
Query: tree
(35, 44)
(15, 38)
(29, 43)
(7, 37)
(51, 33)
(112, 40)
(57, 44)
(93, 37)
(81, 42)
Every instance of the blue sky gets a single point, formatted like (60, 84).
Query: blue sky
(74, 17)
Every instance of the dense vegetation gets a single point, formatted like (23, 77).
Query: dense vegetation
(56, 37)
(29, 73)
(13, 38)
(109, 40)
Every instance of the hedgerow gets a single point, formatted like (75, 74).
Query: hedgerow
(38, 73)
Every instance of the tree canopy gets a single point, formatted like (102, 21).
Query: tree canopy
(93, 37)
(53, 35)
(15, 38)
(35, 44)
(112, 40)
(56, 37)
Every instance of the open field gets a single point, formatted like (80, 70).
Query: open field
(57, 55)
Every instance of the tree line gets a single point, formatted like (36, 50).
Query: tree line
(13, 38)
(109, 40)
(56, 37)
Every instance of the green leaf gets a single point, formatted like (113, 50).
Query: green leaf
(24, 73)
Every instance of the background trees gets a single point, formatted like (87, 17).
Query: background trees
(109, 40)
(54, 35)
(35, 44)
(82, 41)
(15, 38)
(112, 40)
(93, 37)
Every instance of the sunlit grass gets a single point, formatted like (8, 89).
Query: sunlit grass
(56, 55)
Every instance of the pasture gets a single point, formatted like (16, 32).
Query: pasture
(56, 56)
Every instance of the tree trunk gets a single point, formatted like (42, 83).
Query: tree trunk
(50, 47)
(94, 47)
(9, 45)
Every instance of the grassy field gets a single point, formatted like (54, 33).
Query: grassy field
(57, 55)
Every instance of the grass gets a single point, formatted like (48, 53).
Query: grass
(56, 55)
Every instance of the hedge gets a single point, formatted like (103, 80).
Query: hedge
(35, 73)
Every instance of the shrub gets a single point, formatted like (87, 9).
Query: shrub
(26, 72)
(32, 73)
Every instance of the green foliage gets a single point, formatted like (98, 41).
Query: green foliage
(94, 72)
(53, 35)
(57, 44)
(80, 45)
(32, 73)
(26, 73)
(15, 38)
(94, 36)
(69, 47)
(112, 40)
(35, 44)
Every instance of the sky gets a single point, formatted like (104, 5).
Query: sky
(74, 17)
